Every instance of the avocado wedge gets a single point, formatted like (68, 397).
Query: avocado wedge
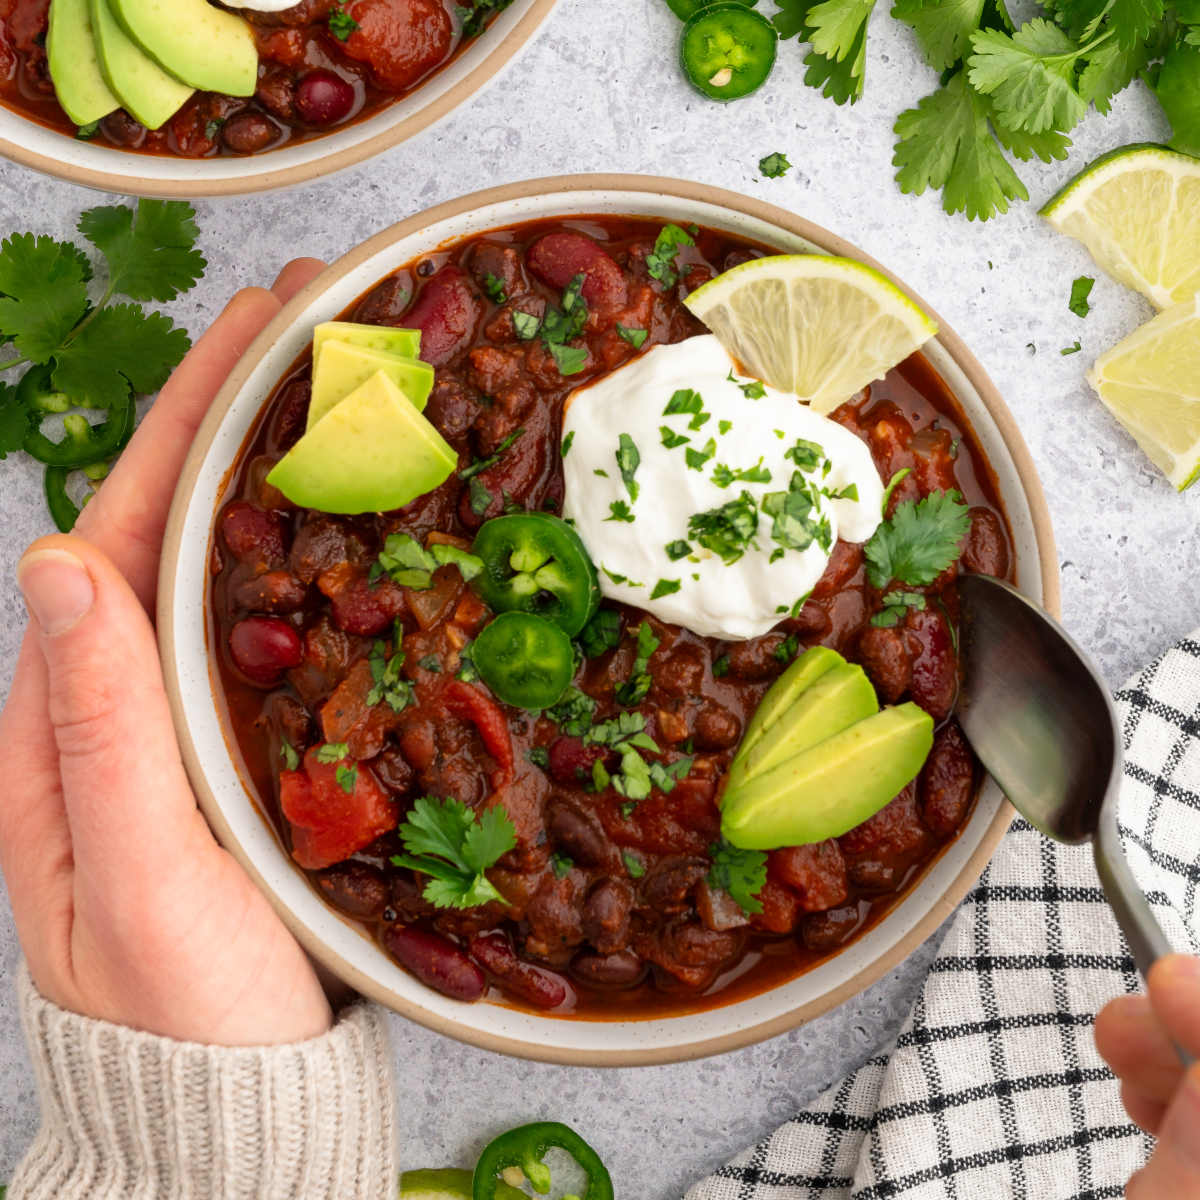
(147, 92)
(343, 367)
(831, 787)
(370, 453)
(802, 674)
(404, 342)
(837, 699)
(74, 62)
(201, 45)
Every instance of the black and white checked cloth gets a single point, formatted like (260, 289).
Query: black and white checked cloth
(994, 1088)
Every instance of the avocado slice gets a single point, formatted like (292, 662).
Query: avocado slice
(74, 61)
(371, 453)
(801, 675)
(831, 787)
(203, 46)
(837, 699)
(404, 342)
(343, 367)
(145, 90)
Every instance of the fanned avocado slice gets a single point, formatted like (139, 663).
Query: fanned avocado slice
(74, 62)
(802, 674)
(405, 342)
(343, 367)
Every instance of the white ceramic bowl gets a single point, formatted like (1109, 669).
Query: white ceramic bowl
(114, 170)
(210, 751)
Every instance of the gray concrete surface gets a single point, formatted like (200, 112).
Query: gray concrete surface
(599, 91)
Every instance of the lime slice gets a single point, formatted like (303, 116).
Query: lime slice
(447, 1184)
(1151, 383)
(820, 327)
(1137, 210)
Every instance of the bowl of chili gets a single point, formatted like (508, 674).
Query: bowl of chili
(337, 84)
(549, 981)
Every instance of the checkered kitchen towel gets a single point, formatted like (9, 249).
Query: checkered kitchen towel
(994, 1088)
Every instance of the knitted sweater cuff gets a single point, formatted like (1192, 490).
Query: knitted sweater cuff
(132, 1115)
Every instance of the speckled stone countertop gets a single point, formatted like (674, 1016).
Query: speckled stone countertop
(598, 91)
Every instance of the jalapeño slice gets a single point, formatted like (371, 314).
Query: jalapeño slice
(526, 660)
(536, 563)
(728, 50)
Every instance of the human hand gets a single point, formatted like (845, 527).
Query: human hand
(125, 906)
(1136, 1036)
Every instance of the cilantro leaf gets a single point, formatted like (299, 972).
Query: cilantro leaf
(1030, 74)
(945, 142)
(839, 80)
(570, 360)
(1109, 69)
(792, 18)
(636, 688)
(774, 165)
(660, 262)
(635, 337)
(118, 348)
(453, 845)
(1081, 289)
(43, 293)
(728, 529)
(741, 873)
(943, 27)
(150, 251)
(628, 461)
(834, 27)
(342, 24)
(665, 587)
(601, 633)
(574, 712)
(618, 510)
(1178, 91)
(411, 565)
(919, 541)
(14, 421)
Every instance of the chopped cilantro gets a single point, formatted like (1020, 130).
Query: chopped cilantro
(566, 443)
(601, 633)
(347, 777)
(723, 427)
(849, 492)
(805, 454)
(332, 752)
(678, 550)
(726, 530)
(467, 672)
(561, 864)
(539, 756)
(573, 713)
(775, 165)
(796, 519)
(697, 458)
(685, 400)
(454, 846)
(484, 464)
(892, 484)
(476, 16)
(787, 649)
(493, 288)
(287, 752)
(635, 337)
(569, 359)
(1075, 349)
(1081, 289)
(723, 476)
(430, 663)
(665, 587)
(741, 873)
(635, 689)
(895, 608)
(411, 565)
(341, 23)
(525, 325)
(753, 389)
(720, 666)
(919, 542)
(628, 461)
(700, 418)
(387, 684)
(619, 511)
(86, 132)
(660, 262)
(480, 498)
(633, 865)
(670, 438)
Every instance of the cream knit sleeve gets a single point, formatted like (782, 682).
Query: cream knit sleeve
(132, 1116)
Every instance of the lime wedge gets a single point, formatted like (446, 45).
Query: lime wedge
(820, 327)
(1150, 382)
(1137, 210)
(448, 1184)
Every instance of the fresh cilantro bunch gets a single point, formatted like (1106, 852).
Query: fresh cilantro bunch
(454, 845)
(79, 349)
(1007, 92)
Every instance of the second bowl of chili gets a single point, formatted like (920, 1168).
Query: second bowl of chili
(939, 405)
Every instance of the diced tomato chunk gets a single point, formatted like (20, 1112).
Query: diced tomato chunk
(816, 873)
(780, 909)
(470, 704)
(328, 823)
(401, 40)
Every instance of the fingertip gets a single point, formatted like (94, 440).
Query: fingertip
(1175, 970)
(252, 303)
(1115, 1021)
(297, 274)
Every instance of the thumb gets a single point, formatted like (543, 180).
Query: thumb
(125, 792)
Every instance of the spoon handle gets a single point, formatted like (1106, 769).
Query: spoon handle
(1134, 914)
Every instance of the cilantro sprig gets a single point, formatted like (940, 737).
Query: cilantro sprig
(454, 846)
(921, 539)
(741, 873)
(57, 316)
(411, 565)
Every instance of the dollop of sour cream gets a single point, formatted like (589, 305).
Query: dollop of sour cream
(706, 498)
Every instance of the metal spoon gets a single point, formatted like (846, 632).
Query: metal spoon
(1042, 722)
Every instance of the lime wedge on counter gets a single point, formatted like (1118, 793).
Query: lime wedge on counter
(821, 327)
(1137, 210)
(1150, 382)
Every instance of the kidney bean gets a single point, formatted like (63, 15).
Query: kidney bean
(606, 915)
(934, 683)
(947, 781)
(572, 761)
(828, 930)
(122, 130)
(620, 970)
(291, 414)
(669, 883)
(452, 408)
(755, 659)
(986, 548)
(884, 656)
(323, 98)
(558, 257)
(249, 132)
(873, 875)
(393, 770)
(360, 606)
(264, 647)
(435, 961)
(716, 727)
(407, 900)
(276, 92)
(691, 945)
(816, 873)
(272, 592)
(501, 262)
(680, 672)
(844, 563)
(812, 622)
(356, 888)
(577, 834)
(896, 829)
(529, 983)
(446, 312)
(319, 545)
(254, 536)
(385, 303)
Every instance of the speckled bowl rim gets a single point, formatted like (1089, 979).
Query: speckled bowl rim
(421, 1005)
(359, 140)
